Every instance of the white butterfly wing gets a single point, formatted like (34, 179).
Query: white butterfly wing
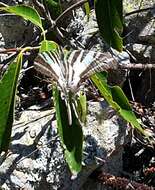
(85, 63)
(70, 71)
(51, 65)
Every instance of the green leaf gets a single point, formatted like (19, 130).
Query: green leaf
(26, 12)
(119, 96)
(54, 7)
(125, 109)
(82, 107)
(117, 99)
(110, 21)
(8, 85)
(87, 9)
(47, 45)
(71, 136)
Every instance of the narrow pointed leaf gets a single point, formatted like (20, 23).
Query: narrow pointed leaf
(125, 109)
(117, 99)
(82, 107)
(109, 16)
(8, 85)
(71, 136)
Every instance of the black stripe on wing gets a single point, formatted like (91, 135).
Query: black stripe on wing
(72, 69)
(101, 62)
(44, 63)
(86, 63)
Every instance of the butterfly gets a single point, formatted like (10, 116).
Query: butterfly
(70, 70)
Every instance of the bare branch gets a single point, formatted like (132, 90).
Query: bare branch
(139, 11)
(10, 50)
(137, 66)
(66, 12)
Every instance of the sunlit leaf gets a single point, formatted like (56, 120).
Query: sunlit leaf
(8, 85)
(117, 99)
(110, 21)
(82, 107)
(47, 45)
(71, 135)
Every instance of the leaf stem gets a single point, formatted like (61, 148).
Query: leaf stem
(10, 50)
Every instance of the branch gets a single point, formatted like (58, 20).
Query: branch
(68, 10)
(3, 4)
(112, 65)
(139, 11)
(65, 13)
(10, 50)
(137, 66)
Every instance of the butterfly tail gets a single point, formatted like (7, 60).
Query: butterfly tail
(69, 113)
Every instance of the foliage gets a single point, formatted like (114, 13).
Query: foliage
(117, 99)
(71, 135)
(47, 45)
(8, 85)
(110, 21)
(54, 7)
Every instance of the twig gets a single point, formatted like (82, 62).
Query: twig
(130, 87)
(3, 4)
(96, 157)
(10, 50)
(131, 66)
(136, 66)
(65, 13)
(139, 11)
(70, 9)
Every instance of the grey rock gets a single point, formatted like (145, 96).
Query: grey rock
(140, 42)
(36, 161)
(14, 31)
(14, 2)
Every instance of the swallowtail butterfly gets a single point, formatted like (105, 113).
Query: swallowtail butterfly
(70, 70)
